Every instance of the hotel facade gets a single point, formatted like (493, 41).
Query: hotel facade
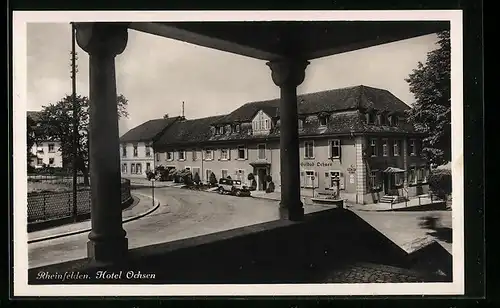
(357, 137)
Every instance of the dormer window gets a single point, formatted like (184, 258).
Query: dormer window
(230, 129)
(301, 123)
(237, 128)
(394, 120)
(323, 120)
(221, 130)
(383, 119)
(370, 118)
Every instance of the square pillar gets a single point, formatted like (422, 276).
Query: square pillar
(288, 74)
(103, 41)
(361, 170)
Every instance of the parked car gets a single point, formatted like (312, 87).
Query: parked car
(233, 187)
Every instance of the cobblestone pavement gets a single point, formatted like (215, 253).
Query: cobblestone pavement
(376, 273)
(182, 214)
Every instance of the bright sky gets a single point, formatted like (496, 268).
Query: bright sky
(156, 74)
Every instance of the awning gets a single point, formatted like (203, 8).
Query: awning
(393, 170)
(260, 163)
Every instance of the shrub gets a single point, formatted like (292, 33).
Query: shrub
(150, 174)
(270, 188)
(187, 177)
(251, 177)
(212, 180)
(253, 186)
(161, 173)
(196, 178)
(440, 183)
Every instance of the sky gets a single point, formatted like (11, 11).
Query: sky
(157, 74)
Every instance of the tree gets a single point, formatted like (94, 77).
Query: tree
(56, 123)
(31, 137)
(431, 113)
(440, 183)
(196, 178)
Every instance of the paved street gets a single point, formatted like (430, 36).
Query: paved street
(183, 213)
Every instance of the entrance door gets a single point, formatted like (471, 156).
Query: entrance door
(387, 182)
(262, 173)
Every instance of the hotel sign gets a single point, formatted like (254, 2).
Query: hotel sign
(316, 164)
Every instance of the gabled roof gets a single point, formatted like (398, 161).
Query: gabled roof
(358, 97)
(148, 131)
(187, 131)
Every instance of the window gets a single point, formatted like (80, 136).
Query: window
(309, 149)
(370, 118)
(51, 148)
(420, 174)
(138, 168)
(412, 178)
(412, 147)
(182, 155)
(334, 148)
(310, 179)
(379, 119)
(373, 147)
(237, 128)
(39, 161)
(262, 151)
(195, 155)
(301, 124)
(397, 147)
(331, 179)
(223, 173)
(242, 152)
(385, 147)
(40, 150)
(240, 175)
(208, 154)
(224, 154)
(170, 156)
(394, 120)
(208, 172)
(148, 167)
(375, 181)
(124, 151)
(196, 170)
(398, 179)
(426, 173)
(124, 168)
(148, 151)
(220, 130)
(135, 150)
(51, 161)
(383, 119)
(157, 156)
(323, 120)
(132, 168)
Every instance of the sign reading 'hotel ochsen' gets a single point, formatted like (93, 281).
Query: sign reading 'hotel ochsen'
(317, 164)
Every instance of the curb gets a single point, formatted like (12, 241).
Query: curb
(51, 237)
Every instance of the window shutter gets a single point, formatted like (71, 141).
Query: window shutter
(340, 149)
(342, 181)
(220, 154)
(327, 180)
(316, 179)
(330, 149)
(229, 153)
(302, 179)
(246, 152)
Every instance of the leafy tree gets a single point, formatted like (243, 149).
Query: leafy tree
(56, 123)
(440, 183)
(31, 137)
(431, 112)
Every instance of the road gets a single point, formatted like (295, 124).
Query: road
(183, 213)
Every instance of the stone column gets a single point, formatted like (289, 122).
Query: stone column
(288, 74)
(103, 41)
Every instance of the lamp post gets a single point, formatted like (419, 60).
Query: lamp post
(75, 120)
(153, 189)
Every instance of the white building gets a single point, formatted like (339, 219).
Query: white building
(45, 153)
(136, 147)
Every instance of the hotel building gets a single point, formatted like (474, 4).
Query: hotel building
(357, 135)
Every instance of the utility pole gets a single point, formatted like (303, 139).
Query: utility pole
(182, 110)
(75, 121)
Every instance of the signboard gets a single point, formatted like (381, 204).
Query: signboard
(351, 169)
(351, 178)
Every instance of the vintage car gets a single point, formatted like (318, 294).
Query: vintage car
(233, 187)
